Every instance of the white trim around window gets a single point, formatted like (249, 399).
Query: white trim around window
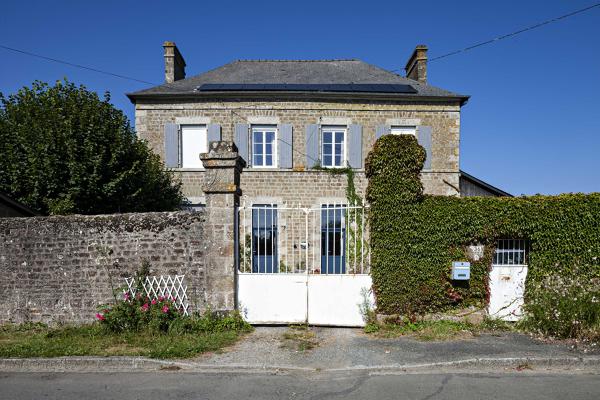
(334, 146)
(404, 130)
(193, 140)
(263, 139)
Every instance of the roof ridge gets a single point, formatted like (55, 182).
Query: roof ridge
(298, 60)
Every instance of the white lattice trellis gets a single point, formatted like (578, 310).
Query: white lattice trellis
(170, 287)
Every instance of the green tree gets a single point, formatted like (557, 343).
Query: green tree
(64, 150)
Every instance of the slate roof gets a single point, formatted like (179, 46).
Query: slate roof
(294, 72)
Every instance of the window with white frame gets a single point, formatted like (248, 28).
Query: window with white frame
(511, 252)
(264, 146)
(333, 148)
(404, 130)
(194, 140)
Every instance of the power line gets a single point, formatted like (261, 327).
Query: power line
(496, 39)
(75, 65)
(529, 28)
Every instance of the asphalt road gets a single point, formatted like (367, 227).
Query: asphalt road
(185, 385)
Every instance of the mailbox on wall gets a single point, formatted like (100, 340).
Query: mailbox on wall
(461, 270)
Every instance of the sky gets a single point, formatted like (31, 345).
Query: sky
(532, 124)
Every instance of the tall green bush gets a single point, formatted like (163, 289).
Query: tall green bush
(415, 238)
(64, 150)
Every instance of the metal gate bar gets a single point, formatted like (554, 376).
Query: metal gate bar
(329, 239)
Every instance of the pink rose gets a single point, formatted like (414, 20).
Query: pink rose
(165, 309)
(161, 298)
(145, 307)
(100, 317)
(153, 302)
(126, 296)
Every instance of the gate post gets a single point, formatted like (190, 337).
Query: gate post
(221, 186)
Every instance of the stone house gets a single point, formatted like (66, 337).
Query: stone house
(288, 116)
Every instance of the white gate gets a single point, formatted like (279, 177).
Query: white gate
(507, 279)
(300, 265)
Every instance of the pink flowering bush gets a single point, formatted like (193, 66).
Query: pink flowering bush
(139, 313)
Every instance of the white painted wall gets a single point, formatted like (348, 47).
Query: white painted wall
(507, 288)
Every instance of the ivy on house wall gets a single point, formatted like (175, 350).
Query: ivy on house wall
(415, 238)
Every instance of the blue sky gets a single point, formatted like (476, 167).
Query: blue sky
(531, 126)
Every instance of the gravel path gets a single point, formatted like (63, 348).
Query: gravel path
(340, 348)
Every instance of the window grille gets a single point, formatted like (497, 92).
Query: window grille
(511, 252)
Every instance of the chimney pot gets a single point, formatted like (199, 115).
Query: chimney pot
(174, 63)
(416, 67)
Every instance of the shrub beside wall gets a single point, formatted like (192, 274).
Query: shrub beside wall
(415, 238)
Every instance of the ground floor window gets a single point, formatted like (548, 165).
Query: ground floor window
(333, 239)
(264, 239)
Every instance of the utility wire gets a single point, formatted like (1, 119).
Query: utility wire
(529, 28)
(75, 65)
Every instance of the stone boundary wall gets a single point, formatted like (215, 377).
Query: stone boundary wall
(60, 268)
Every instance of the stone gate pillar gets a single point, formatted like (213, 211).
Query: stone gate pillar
(221, 186)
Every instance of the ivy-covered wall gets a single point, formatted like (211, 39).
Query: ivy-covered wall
(415, 238)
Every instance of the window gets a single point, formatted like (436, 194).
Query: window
(194, 140)
(264, 146)
(264, 239)
(333, 150)
(511, 252)
(404, 130)
(333, 239)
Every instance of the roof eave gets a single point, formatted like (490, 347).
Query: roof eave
(133, 97)
(478, 181)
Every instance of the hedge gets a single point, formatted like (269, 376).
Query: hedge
(414, 238)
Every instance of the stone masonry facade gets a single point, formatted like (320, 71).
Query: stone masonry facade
(303, 185)
(61, 268)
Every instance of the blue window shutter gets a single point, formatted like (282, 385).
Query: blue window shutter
(381, 130)
(214, 133)
(355, 158)
(241, 141)
(284, 145)
(171, 145)
(424, 139)
(312, 145)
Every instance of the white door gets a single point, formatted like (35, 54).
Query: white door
(507, 288)
(507, 280)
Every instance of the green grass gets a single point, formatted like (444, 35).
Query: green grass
(38, 340)
(435, 330)
(299, 338)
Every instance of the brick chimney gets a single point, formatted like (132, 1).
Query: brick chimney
(416, 67)
(174, 63)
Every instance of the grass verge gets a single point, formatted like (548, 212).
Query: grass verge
(39, 340)
(435, 330)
